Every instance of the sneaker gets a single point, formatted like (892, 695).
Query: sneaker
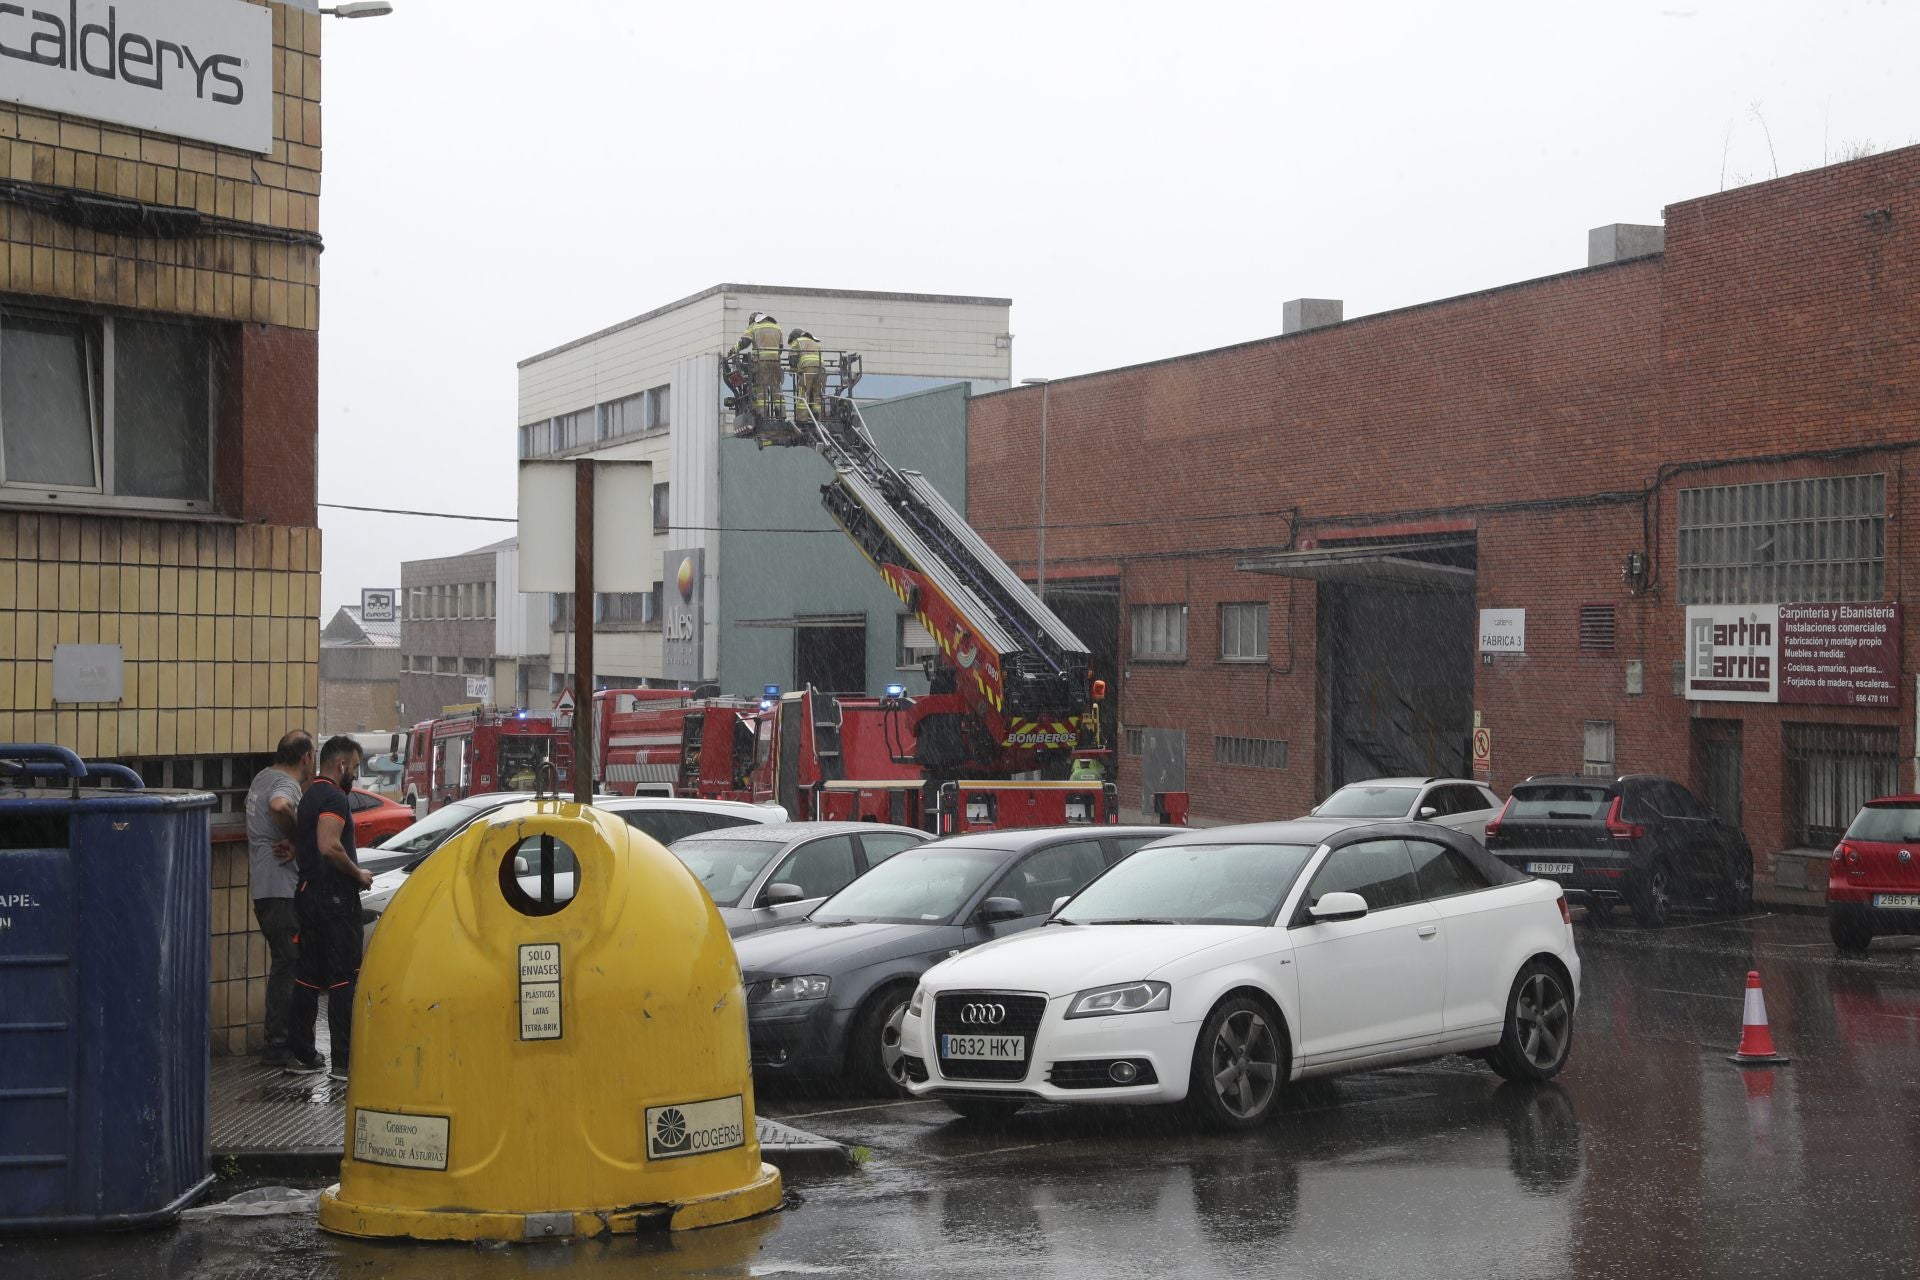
(309, 1066)
(338, 1073)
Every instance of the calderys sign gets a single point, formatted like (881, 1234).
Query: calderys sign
(199, 69)
(1845, 655)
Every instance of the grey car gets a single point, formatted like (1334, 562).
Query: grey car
(767, 875)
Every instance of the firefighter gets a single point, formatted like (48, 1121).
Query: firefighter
(809, 376)
(763, 331)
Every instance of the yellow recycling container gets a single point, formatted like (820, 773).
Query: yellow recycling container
(539, 1056)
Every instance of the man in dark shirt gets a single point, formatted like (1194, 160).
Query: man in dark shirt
(327, 904)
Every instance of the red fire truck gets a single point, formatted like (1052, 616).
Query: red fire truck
(455, 756)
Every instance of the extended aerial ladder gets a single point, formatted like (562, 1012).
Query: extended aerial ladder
(1013, 685)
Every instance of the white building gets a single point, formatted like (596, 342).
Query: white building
(649, 389)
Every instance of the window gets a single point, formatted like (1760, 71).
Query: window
(473, 666)
(117, 409)
(1160, 631)
(1834, 770)
(1440, 872)
(662, 516)
(1811, 540)
(881, 845)
(1051, 874)
(1251, 753)
(360, 802)
(536, 439)
(560, 611)
(1596, 755)
(1381, 871)
(447, 666)
(1136, 741)
(486, 599)
(915, 644)
(658, 411)
(623, 417)
(627, 609)
(1596, 628)
(1243, 632)
(819, 867)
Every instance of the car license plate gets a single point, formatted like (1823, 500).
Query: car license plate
(985, 1048)
(1549, 868)
(1896, 899)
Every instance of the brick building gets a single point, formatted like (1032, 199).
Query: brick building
(448, 609)
(1292, 543)
(159, 301)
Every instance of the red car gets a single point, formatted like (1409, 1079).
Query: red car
(375, 817)
(1873, 881)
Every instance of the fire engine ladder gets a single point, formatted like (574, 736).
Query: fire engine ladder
(897, 515)
(827, 719)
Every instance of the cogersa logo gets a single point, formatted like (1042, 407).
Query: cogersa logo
(695, 1128)
(107, 50)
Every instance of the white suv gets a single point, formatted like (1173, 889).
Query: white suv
(1451, 802)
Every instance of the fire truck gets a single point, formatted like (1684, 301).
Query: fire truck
(455, 756)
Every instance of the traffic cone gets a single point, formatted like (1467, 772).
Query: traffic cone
(1756, 1042)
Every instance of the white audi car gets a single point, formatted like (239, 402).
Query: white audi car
(1217, 965)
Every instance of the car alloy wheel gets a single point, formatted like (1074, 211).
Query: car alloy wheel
(1653, 901)
(1542, 1013)
(892, 1058)
(1245, 1064)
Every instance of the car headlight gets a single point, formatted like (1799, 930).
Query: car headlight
(1124, 997)
(917, 1003)
(781, 990)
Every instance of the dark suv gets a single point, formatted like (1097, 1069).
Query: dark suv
(1642, 839)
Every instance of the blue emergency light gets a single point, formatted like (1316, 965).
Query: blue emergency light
(771, 692)
(896, 691)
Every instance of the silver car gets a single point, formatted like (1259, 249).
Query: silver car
(1451, 802)
(767, 875)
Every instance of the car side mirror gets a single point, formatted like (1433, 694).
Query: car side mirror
(777, 894)
(1338, 906)
(994, 910)
(1060, 902)
(520, 867)
(1427, 811)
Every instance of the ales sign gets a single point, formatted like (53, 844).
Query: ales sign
(1845, 655)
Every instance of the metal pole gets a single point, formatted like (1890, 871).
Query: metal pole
(1041, 574)
(583, 630)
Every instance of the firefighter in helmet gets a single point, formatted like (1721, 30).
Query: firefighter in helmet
(763, 331)
(809, 376)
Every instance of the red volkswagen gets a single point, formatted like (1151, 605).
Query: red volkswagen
(1873, 880)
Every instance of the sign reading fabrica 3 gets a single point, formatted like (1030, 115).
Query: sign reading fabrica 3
(199, 69)
(1503, 631)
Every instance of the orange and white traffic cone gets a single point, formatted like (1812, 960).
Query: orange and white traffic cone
(1756, 1041)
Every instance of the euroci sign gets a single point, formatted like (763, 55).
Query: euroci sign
(199, 69)
(1842, 655)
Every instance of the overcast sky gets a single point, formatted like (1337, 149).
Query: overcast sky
(1142, 180)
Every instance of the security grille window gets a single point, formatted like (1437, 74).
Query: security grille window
(662, 519)
(1136, 740)
(1596, 757)
(623, 417)
(1788, 540)
(1160, 631)
(658, 414)
(1596, 628)
(1250, 753)
(1243, 632)
(627, 608)
(916, 644)
(106, 409)
(1833, 770)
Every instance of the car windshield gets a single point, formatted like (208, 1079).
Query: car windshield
(920, 886)
(1888, 823)
(426, 835)
(1363, 801)
(725, 867)
(1560, 800)
(1193, 884)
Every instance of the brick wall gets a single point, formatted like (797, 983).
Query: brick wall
(359, 706)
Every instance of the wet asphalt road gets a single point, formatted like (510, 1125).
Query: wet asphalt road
(1650, 1157)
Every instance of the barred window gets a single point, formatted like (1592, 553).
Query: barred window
(1135, 741)
(1813, 540)
(1160, 631)
(573, 430)
(1833, 770)
(628, 608)
(1596, 628)
(659, 414)
(1250, 753)
(1243, 632)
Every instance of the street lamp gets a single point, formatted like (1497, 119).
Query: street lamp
(360, 9)
(1040, 575)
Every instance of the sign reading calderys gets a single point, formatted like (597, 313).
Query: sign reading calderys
(191, 68)
(1844, 655)
(683, 615)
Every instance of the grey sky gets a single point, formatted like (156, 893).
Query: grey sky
(1141, 180)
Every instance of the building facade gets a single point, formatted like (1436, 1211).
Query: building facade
(359, 674)
(649, 390)
(449, 607)
(1518, 531)
(159, 300)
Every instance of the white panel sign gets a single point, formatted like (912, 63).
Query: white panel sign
(377, 604)
(622, 525)
(540, 991)
(88, 673)
(191, 68)
(409, 1142)
(695, 1128)
(1733, 652)
(480, 688)
(1503, 631)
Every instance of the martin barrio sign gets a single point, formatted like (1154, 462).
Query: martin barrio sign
(198, 69)
(1843, 655)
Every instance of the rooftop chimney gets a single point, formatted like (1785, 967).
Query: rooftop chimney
(1301, 314)
(1620, 241)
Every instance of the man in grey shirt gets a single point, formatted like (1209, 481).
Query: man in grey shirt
(272, 801)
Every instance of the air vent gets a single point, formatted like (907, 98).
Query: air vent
(1596, 628)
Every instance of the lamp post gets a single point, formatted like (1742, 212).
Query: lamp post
(1040, 574)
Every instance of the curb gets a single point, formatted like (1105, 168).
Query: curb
(819, 1156)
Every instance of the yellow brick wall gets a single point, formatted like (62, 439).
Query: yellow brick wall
(219, 626)
(221, 277)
